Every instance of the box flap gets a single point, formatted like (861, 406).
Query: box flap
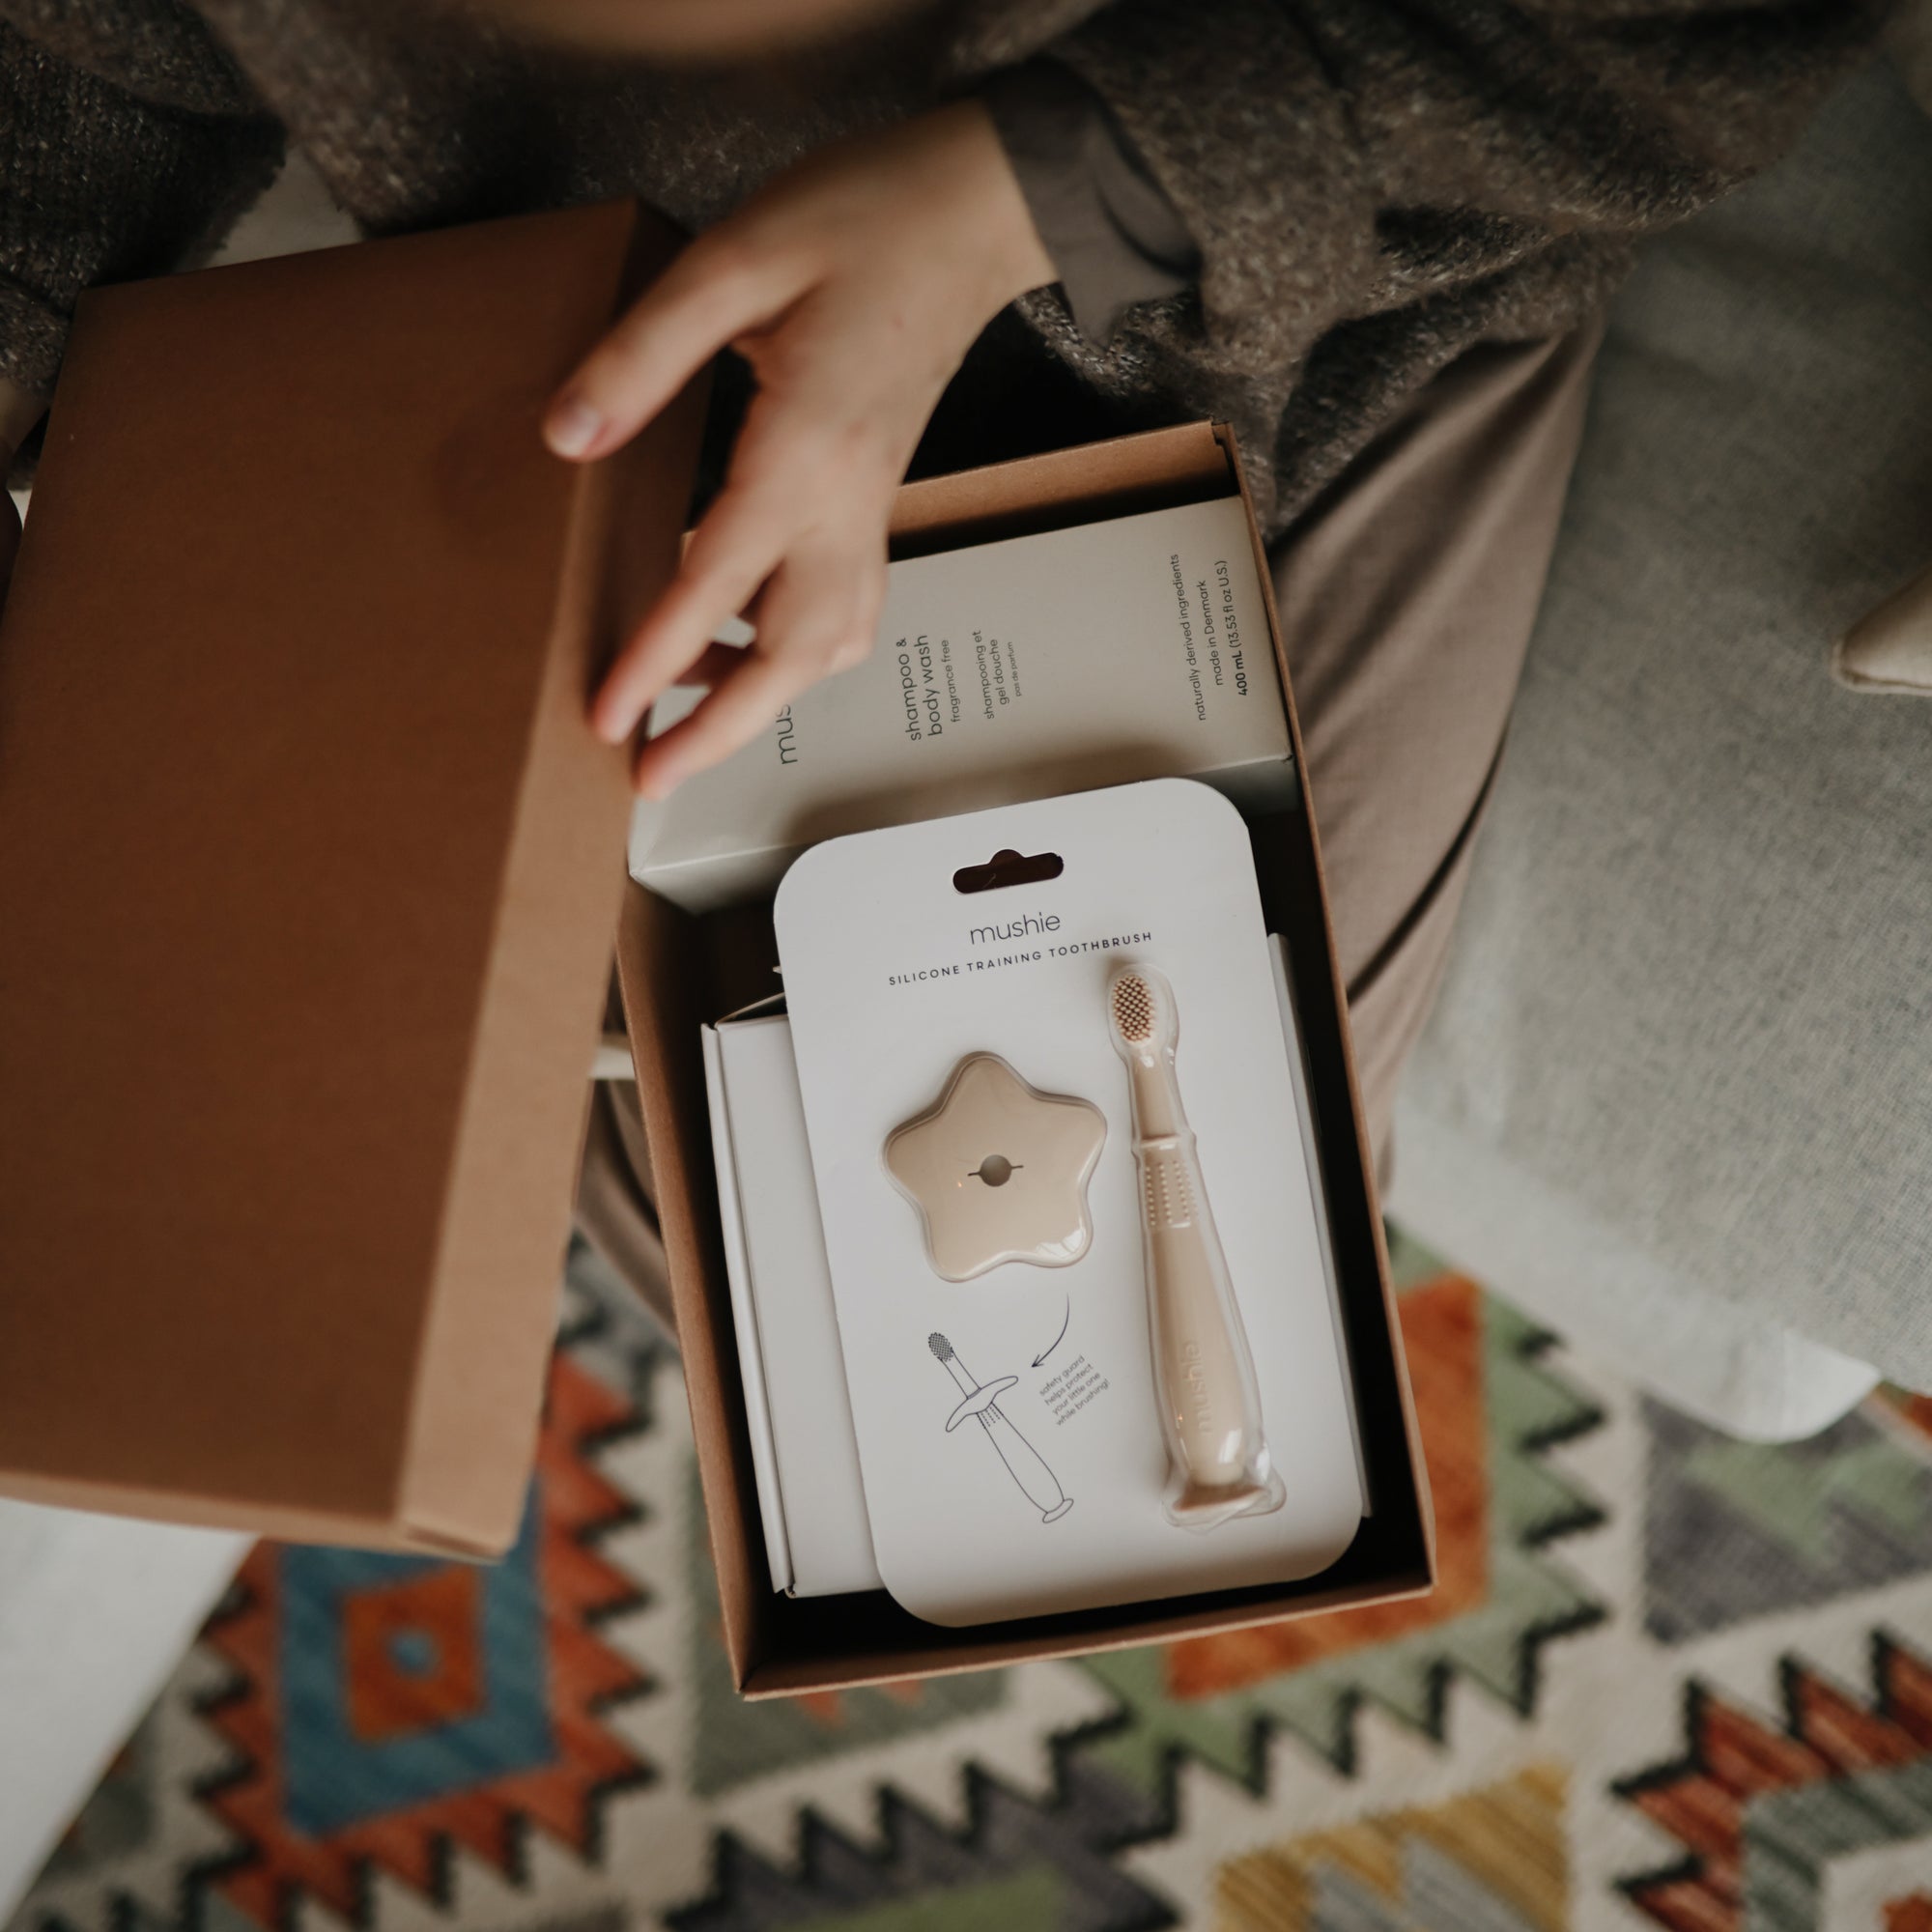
(312, 867)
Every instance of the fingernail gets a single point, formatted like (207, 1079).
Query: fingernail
(572, 427)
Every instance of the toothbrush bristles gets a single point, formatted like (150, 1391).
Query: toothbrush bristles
(1133, 1008)
(939, 1345)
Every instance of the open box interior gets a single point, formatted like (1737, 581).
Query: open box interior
(680, 972)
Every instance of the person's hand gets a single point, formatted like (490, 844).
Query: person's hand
(853, 284)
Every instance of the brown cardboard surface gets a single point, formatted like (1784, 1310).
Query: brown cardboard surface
(310, 865)
(678, 971)
(1121, 478)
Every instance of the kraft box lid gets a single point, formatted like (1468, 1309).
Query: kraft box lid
(311, 869)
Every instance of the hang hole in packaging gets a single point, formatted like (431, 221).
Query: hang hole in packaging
(1008, 869)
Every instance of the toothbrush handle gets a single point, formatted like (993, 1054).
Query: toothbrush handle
(1204, 1373)
(1026, 1464)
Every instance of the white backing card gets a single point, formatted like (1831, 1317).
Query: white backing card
(892, 974)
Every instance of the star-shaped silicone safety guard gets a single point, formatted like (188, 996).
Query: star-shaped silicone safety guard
(998, 1171)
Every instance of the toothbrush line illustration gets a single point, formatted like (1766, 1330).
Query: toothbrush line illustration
(981, 1401)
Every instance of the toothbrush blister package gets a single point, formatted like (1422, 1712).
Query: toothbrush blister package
(1089, 1339)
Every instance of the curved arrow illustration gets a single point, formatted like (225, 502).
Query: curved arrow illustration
(1058, 1339)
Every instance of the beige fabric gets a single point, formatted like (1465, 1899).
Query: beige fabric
(1681, 1048)
(1407, 594)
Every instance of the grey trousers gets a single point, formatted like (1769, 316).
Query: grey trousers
(1408, 595)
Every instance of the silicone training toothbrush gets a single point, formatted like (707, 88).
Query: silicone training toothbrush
(1024, 1463)
(1204, 1374)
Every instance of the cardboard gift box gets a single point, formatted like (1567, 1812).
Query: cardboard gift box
(309, 867)
(680, 972)
(312, 872)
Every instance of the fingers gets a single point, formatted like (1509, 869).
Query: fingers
(720, 286)
(718, 661)
(712, 666)
(739, 707)
(816, 618)
(731, 553)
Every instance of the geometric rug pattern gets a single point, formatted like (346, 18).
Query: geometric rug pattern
(1763, 1807)
(384, 1710)
(1668, 1681)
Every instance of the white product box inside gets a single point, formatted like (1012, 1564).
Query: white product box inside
(1133, 647)
(803, 1454)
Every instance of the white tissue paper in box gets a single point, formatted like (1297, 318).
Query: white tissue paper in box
(806, 1461)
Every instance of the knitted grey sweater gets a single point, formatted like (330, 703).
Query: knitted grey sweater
(1372, 184)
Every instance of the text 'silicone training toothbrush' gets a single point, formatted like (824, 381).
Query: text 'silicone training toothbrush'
(1202, 1371)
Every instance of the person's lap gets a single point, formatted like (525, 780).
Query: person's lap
(1408, 595)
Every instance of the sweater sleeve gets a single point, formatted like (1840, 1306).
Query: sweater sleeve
(1112, 233)
(1337, 158)
(129, 145)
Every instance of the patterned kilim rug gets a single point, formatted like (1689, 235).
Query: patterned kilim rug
(1668, 1681)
